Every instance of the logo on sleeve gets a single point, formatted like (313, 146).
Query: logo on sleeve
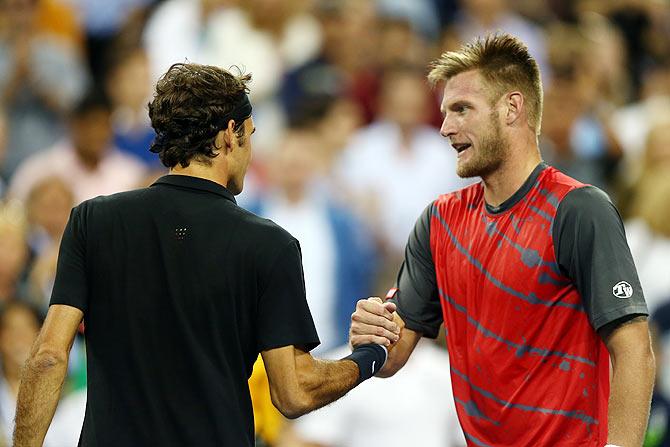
(622, 290)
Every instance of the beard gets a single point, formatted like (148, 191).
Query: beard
(490, 153)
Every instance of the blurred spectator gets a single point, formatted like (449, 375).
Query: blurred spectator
(41, 77)
(648, 232)
(632, 122)
(332, 120)
(414, 407)
(338, 259)
(347, 61)
(576, 135)
(13, 250)
(128, 85)
(399, 44)
(644, 25)
(477, 17)
(48, 205)
(88, 161)
(394, 167)
(102, 20)
(58, 18)
(277, 36)
(19, 325)
(422, 15)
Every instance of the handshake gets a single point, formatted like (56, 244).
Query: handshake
(374, 323)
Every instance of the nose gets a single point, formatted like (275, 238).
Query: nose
(448, 128)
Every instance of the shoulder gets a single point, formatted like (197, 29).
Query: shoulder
(119, 201)
(585, 212)
(585, 200)
(555, 181)
(263, 231)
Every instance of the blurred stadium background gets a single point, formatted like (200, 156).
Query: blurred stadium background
(347, 154)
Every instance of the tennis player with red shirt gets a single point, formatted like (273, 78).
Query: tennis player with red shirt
(529, 271)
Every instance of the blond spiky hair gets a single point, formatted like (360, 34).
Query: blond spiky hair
(505, 64)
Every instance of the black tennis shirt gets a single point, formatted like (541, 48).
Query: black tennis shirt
(180, 289)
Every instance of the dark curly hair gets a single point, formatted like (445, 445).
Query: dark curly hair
(191, 105)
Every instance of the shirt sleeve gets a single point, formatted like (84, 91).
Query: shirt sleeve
(70, 286)
(284, 317)
(591, 249)
(417, 299)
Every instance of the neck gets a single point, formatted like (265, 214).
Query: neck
(194, 169)
(510, 176)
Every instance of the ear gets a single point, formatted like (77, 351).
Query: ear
(515, 105)
(227, 137)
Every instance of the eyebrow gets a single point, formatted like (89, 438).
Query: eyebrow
(458, 104)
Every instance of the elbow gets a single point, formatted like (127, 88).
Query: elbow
(46, 358)
(292, 405)
(296, 397)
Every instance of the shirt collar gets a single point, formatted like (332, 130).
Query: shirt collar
(520, 193)
(199, 183)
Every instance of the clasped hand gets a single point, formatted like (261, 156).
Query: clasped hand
(373, 322)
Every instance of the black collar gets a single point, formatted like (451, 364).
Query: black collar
(520, 193)
(199, 183)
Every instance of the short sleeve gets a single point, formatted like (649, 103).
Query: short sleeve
(591, 249)
(70, 286)
(283, 316)
(417, 299)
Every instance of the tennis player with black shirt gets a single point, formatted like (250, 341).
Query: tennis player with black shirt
(180, 289)
(528, 270)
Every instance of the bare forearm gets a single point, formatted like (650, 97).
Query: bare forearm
(326, 381)
(40, 389)
(634, 369)
(630, 397)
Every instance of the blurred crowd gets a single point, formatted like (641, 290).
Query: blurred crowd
(347, 155)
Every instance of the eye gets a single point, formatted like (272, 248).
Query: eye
(462, 108)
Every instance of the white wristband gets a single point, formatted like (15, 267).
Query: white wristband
(611, 445)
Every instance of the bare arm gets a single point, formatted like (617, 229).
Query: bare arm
(299, 383)
(634, 369)
(43, 375)
(377, 322)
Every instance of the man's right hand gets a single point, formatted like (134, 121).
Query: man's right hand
(374, 322)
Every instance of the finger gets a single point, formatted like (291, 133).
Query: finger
(391, 307)
(358, 340)
(360, 317)
(373, 307)
(377, 331)
(375, 299)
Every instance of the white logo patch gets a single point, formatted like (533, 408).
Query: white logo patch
(622, 290)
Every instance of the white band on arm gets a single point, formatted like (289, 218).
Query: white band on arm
(612, 445)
